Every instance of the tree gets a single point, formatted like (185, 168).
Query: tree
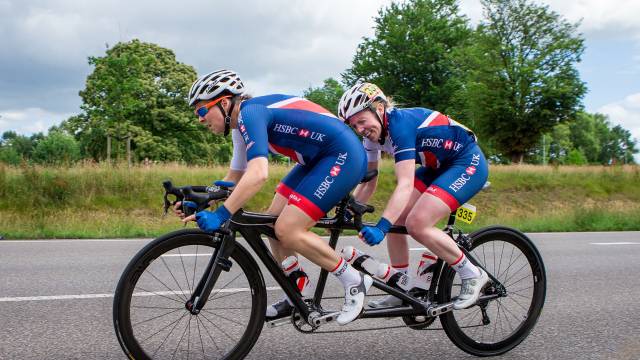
(521, 78)
(328, 96)
(411, 56)
(57, 148)
(138, 90)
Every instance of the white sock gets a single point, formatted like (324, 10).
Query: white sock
(347, 275)
(465, 268)
(402, 268)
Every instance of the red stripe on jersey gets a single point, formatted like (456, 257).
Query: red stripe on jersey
(307, 105)
(419, 185)
(439, 120)
(430, 160)
(288, 152)
(306, 205)
(444, 196)
(284, 190)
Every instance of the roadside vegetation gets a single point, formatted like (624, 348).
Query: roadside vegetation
(95, 201)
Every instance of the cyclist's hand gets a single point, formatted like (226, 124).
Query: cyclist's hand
(210, 221)
(373, 235)
(177, 209)
(227, 184)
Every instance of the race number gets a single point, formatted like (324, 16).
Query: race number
(466, 213)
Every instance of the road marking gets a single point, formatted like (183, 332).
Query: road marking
(616, 243)
(99, 296)
(185, 255)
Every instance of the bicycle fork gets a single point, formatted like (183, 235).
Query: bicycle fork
(218, 262)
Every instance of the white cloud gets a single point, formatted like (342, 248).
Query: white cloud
(29, 120)
(626, 113)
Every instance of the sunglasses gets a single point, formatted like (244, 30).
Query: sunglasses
(204, 109)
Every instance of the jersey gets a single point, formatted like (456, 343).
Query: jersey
(453, 166)
(427, 136)
(331, 160)
(290, 126)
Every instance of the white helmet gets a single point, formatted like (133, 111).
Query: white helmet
(358, 98)
(213, 84)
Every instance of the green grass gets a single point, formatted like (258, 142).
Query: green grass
(92, 201)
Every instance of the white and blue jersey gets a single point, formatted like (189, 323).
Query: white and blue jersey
(330, 159)
(453, 166)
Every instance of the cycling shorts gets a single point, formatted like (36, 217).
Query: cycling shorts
(316, 188)
(456, 182)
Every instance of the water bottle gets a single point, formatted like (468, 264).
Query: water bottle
(371, 266)
(424, 274)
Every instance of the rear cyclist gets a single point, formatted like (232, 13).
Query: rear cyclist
(330, 160)
(453, 169)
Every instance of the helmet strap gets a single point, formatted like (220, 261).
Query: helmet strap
(227, 116)
(383, 124)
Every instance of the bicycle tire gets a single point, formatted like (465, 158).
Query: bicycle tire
(253, 290)
(459, 333)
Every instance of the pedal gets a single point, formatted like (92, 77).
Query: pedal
(440, 309)
(278, 322)
(323, 319)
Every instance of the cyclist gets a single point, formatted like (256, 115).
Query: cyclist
(330, 160)
(453, 169)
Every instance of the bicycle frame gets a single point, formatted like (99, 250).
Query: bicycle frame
(252, 226)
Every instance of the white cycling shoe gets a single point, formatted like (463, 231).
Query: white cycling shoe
(470, 291)
(354, 300)
(385, 302)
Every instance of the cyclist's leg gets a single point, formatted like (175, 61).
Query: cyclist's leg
(463, 179)
(329, 180)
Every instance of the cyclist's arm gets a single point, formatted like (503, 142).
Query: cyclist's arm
(405, 172)
(249, 184)
(363, 192)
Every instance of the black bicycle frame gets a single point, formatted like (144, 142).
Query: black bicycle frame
(253, 225)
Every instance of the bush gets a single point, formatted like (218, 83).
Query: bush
(9, 155)
(57, 149)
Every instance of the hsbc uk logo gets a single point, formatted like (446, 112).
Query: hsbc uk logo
(293, 130)
(466, 175)
(333, 172)
(437, 143)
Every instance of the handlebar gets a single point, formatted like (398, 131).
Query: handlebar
(196, 198)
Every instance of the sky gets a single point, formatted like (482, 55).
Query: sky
(275, 46)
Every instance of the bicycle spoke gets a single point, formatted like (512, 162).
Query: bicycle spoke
(195, 266)
(216, 326)
(208, 333)
(155, 317)
(519, 280)
(200, 336)
(169, 334)
(224, 287)
(506, 270)
(180, 341)
(166, 286)
(174, 278)
(506, 281)
(155, 307)
(184, 269)
(158, 294)
(220, 316)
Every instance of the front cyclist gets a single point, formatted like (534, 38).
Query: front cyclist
(331, 161)
(453, 170)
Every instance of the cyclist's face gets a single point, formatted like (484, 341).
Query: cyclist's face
(366, 124)
(213, 119)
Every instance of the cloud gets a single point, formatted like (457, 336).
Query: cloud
(30, 120)
(626, 113)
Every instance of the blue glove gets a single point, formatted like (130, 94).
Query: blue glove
(210, 221)
(373, 235)
(223, 183)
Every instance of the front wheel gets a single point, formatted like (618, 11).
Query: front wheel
(149, 313)
(498, 325)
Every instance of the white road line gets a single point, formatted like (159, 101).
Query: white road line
(616, 243)
(98, 296)
(185, 255)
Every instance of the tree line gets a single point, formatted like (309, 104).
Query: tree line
(512, 78)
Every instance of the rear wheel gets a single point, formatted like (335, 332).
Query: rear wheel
(149, 313)
(496, 326)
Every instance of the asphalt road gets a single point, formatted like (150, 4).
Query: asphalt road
(56, 303)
